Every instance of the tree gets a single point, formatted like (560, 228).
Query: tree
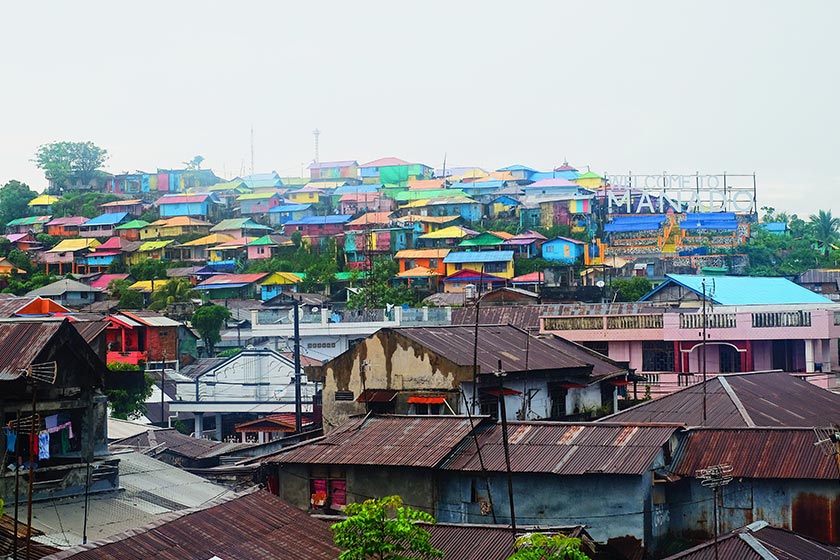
(384, 529)
(631, 289)
(824, 229)
(75, 203)
(194, 164)
(378, 291)
(208, 320)
(538, 546)
(70, 162)
(174, 291)
(14, 201)
(149, 269)
(125, 403)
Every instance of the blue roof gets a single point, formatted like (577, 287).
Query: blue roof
(106, 219)
(353, 189)
(290, 208)
(517, 167)
(540, 175)
(710, 220)
(774, 227)
(478, 256)
(565, 240)
(478, 185)
(331, 219)
(634, 223)
(743, 290)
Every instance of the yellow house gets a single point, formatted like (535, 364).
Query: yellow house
(496, 263)
(148, 250)
(306, 195)
(590, 180)
(276, 282)
(146, 286)
(174, 227)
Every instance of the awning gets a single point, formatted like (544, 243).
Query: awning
(377, 396)
(570, 385)
(621, 382)
(504, 390)
(416, 399)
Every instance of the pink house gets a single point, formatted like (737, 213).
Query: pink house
(751, 324)
(353, 203)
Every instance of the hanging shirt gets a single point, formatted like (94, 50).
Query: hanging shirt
(11, 439)
(43, 445)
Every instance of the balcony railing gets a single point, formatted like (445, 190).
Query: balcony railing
(600, 322)
(635, 322)
(713, 321)
(781, 319)
(573, 323)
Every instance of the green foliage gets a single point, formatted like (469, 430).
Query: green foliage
(538, 546)
(378, 291)
(47, 240)
(126, 404)
(131, 299)
(150, 215)
(384, 529)
(149, 269)
(823, 228)
(20, 260)
(14, 201)
(510, 226)
(175, 291)
(297, 239)
(229, 352)
(563, 231)
(75, 203)
(208, 320)
(631, 289)
(70, 162)
(5, 246)
(781, 255)
(527, 266)
(19, 286)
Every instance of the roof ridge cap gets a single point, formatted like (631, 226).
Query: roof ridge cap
(737, 402)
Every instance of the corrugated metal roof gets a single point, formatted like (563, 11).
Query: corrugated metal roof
(743, 290)
(484, 542)
(154, 442)
(451, 232)
(508, 344)
(741, 544)
(238, 223)
(422, 253)
(68, 221)
(90, 329)
(20, 344)
(72, 245)
(770, 399)
(106, 219)
(290, 208)
(182, 199)
(567, 448)
(201, 366)
(755, 453)
(478, 256)
(820, 276)
(221, 279)
(412, 441)
(315, 220)
(61, 287)
(151, 319)
(528, 316)
(212, 239)
(256, 526)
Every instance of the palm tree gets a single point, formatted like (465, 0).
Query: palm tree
(825, 229)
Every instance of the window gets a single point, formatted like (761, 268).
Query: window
(558, 401)
(433, 263)
(496, 267)
(344, 396)
(600, 346)
(457, 266)
(657, 356)
(427, 409)
(328, 488)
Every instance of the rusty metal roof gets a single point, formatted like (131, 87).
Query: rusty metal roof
(20, 344)
(488, 542)
(508, 344)
(256, 526)
(154, 442)
(754, 453)
(528, 316)
(90, 329)
(747, 543)
(567, 448)
(770, 399)
(820, 276)
(409, 441)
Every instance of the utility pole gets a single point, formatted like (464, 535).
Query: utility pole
(316, 133)
(715, 477)
(500, 374)
(298, 404)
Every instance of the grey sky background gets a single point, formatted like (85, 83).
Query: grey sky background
(647, 86)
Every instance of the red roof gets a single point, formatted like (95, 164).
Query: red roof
(530, 278)
(103, 281)
(417, 399)
(386, 162)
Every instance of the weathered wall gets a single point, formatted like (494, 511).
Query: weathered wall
(415, 486)
(294, 485)
(811, 507)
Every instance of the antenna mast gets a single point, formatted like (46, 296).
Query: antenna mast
(252, 149)
(316, 133)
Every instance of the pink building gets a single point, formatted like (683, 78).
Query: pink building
(751, 324)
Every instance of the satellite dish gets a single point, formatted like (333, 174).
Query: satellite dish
(315, 309)
(600, 283)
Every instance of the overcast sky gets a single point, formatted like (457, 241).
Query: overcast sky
(618, 86)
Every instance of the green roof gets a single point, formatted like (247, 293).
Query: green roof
(344, 276)
(134, 224)
(29, 221)
(230, 185)
(153, 245)
(264, 240)
(257, 196)
(589, 175)
(485, 239)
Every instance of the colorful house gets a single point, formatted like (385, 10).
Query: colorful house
(446, 237)
(62, 258)
(69, 292)
(240, 228)
(202, 206)
(552, 186)
(34, 224)
(393, 171)
(134, 336)
(148, 250)
(499, 263)
(316, 229)
(483, 241)
(164, 181)
(331, 170)
(431, 259)
(518, 172)
(104, 255)
(104, 225)
(309, 194)
(420, 278)
(278, 282)
(482, 282)
(469, 209)
(369, 220)
(24, 241)
(526, 244)
(590, 180)
(280, 215)
(232, 286)
(196, 250)
(564, 250)
(258, 203)
(362, 246)
(133, 206)
(42, 204)
(229, 253)
(7, 268)
(65, 227)
(262, 180)
(353, 203)
(175, 227)
(566, 210)
(131, 230)
(268, 246)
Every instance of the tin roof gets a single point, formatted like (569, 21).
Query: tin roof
(329, 164)
(508, 343)
(755, 541)
(567, 448)
(133, 224)
(371, 218)
(524, 316)
(315, 220)
(489, 542)
(238, 223)
(73, 245)
(743, 290)
(220, 280)
(115, 203)
(61, 287)
(30, 220)
(755, 453)
(182, 199)
(478, 256)
(151, 319)
(770, 399)
(68, 221)
(154, 442)
(385, 162)
(106, 219)
(20, 344)
(411, 441)
(820, 276)
(421, 253)
(212, 239)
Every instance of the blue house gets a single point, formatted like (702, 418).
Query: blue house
(103, 225)
(563, 250)
(280, 215)
(565, 171)
(202, 206)
(519, 172)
